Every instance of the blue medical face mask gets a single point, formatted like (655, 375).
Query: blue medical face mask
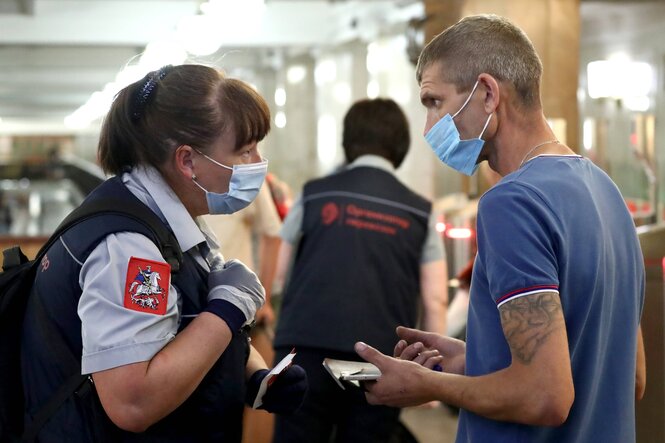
(244, 186)
(444, 139)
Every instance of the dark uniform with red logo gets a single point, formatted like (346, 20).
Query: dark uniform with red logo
(113, 301)
(360, 237)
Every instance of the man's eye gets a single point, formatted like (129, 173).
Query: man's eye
(432, 103)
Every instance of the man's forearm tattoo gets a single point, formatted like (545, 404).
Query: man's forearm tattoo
(528, 321)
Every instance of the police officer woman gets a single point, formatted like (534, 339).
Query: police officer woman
(167, 353)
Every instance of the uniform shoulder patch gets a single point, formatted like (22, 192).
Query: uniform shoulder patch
(147, 286)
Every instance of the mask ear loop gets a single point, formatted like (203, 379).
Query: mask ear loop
(214, 161)
(487, 123)
(467, 99)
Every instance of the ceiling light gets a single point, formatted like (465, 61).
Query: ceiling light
(342, 92)
(280, 119)
(326, 146)
(198, 34)
(325, 72)
(280, 97)
(373, 89)
(296, 74)
(619, 79)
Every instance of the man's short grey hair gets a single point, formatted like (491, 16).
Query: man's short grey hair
(485, 44)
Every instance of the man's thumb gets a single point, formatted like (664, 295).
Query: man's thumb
(369, 353)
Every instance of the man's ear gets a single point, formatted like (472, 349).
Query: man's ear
(184, 161)
(492, 92)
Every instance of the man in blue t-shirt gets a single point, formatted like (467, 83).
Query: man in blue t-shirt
(554, 350)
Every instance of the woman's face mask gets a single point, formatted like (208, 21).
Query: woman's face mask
(246, 181)
(444, 138)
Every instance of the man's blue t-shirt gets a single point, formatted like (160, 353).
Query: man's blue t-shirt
(559, 224)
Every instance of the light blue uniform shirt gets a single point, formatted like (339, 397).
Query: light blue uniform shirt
(112, 334)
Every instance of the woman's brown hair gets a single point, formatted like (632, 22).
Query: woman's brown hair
(185, 104)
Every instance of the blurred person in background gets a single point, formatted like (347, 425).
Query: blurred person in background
(366, 256)
(281, 194)
(554, 350)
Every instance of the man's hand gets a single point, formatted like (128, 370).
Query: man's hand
(402, 383)
(430, 349)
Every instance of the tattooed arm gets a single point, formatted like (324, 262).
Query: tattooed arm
(536, 389)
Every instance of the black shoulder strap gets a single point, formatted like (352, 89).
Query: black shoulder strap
(168, 246)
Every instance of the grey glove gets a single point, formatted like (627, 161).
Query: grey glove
(235, 283)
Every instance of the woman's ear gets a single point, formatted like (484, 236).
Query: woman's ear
(492, 92)
(184, 161)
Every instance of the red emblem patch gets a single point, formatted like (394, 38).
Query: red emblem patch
(147, 286)
(329, 213)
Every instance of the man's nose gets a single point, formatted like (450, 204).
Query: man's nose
(428, 126)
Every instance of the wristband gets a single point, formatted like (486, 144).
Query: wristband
(228, 312)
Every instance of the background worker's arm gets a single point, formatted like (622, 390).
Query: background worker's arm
(434, 289)
(434, 280)
(266, 225)
(290, 235)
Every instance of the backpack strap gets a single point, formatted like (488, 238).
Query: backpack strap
(12, 257)
(169, 248)
(134, 209)
(71, 385)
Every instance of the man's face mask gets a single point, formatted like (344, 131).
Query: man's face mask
(244, 186)
(444, 139)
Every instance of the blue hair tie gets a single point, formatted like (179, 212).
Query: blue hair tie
(142, 96)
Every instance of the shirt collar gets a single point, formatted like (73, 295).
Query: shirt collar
(373, 161)
(208, 234)
(147, 184)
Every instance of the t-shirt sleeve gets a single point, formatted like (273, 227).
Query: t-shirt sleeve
(517, 243)
(116, 333)
(292, 226)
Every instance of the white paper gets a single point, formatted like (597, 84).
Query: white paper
(272, 375)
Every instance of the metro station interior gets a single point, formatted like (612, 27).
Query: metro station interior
(603, 93)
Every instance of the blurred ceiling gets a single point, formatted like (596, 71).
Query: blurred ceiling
(55, 53)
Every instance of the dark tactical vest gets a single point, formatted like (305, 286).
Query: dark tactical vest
(356, 274)
(212, 413)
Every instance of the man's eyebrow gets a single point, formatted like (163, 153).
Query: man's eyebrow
(427, 95)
